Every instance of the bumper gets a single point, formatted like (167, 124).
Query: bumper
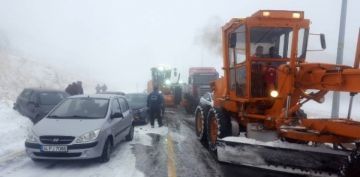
(74, 151)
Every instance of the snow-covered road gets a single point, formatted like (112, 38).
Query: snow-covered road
(169, 151)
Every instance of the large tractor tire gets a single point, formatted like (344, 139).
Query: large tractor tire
(200, 123)
(351, 167)
(218, 126)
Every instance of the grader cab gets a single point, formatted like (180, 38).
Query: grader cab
(256, 118)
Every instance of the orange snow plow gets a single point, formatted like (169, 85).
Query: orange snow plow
(256, 118)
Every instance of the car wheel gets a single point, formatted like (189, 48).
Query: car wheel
(130, 136)
(105, 156)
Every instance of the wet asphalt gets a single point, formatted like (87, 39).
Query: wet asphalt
(192, 159)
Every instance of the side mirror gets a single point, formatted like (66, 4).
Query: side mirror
(116, 115)
(323, 41)
(232, 40)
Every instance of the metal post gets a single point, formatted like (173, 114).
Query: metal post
(339, 57)
(288, 101)
(357, 55)
(350, 104)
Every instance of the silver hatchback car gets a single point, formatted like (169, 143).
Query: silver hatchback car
(82, 127)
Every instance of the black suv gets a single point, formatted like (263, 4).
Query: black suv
(138, 106)
(35, 103)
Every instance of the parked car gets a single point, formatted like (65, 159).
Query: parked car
(35, 103)
(114, 92)
(138, 106)
(82, 127)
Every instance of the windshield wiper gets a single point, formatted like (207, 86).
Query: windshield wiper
(72, 116)
(78, 116)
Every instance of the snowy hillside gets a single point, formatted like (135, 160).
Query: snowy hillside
(17, 73)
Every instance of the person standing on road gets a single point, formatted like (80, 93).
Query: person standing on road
(80, 89)
(103, 88)
(155, 103)
(98, 88)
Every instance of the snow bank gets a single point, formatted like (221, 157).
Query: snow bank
(13, 129)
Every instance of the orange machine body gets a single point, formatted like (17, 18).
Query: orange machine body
(270, 88)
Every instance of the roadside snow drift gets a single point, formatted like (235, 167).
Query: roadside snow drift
(13, 130)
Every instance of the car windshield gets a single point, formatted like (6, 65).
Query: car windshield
(81, 108)
(137, 100)
(50, 98)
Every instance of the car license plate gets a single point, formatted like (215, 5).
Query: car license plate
(54, 148)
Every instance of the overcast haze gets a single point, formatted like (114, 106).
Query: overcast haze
(117, 42)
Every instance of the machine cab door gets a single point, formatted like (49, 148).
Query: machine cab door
(237, 63)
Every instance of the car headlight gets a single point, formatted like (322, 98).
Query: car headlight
(31, 137)
(88, 137)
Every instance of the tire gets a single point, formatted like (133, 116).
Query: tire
(106, 152)
(351, 167)
(200, 123)
(218, 126)
(130, 136)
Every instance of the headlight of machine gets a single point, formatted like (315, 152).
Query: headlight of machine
(88, 137)
(31, 137)
(274, 93)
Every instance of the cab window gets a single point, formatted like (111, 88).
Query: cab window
(271, 42)
(237, 49)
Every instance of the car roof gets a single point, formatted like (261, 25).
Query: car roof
(106, 96)
(114, 92)
(136, 93)
(44, 90)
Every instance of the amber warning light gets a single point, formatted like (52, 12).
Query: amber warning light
(280, 14)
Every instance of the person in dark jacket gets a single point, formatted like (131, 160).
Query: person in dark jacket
(98, 88)
(68, 89)
(80, 89)
(103, 88)
(155, 103)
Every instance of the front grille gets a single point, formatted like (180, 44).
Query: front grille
(53, 154)
(56, 139)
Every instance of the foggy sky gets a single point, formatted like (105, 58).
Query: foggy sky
(117, 42)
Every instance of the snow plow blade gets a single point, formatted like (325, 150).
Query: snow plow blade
(282, 156)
